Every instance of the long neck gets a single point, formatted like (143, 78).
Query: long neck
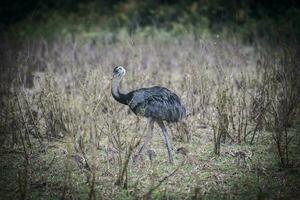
(118, 96)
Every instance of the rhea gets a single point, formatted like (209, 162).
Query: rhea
(158, 104)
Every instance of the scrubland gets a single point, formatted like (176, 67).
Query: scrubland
(63, 136)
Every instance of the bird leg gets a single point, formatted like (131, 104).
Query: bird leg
(166, 139)
(148, 136)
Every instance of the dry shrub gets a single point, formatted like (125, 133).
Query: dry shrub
(220, 122)
(284, 102)
(64, 94)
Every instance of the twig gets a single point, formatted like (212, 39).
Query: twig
(148, 194)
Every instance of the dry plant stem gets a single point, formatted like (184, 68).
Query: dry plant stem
(185, 133)
(149, 193)
(286, 146)
(4, 126)
(259, 109)
(25, 174)
(217, 139)
(129, 151)
(14, 133)
(239, 123)
(258, 123)
(221, 123)
(38, 136)
(24, 122)
(82, 151)
(68, 171)
(284, 105)
(231, 117)
(92, 194)
(118, 144)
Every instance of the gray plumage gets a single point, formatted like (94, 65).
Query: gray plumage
(158, 104)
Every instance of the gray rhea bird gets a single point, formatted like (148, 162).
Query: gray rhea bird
(158, 104)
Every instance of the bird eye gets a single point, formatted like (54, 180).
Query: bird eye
(116, 69)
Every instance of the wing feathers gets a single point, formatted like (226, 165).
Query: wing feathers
(157, 102)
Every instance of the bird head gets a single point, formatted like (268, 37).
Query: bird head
(119, 72)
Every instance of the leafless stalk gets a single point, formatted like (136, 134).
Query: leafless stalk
(149, 193)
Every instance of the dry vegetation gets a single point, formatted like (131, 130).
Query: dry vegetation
(64, 137)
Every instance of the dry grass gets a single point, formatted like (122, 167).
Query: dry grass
(63, 135)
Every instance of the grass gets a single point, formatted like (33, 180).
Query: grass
(64, 137)
(216, 177)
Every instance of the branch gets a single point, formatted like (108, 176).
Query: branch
(148, 194)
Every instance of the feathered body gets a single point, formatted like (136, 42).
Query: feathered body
(156, 103)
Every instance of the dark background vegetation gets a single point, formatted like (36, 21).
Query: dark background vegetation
(263, 18)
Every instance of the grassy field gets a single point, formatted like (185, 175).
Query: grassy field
(65, 137)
